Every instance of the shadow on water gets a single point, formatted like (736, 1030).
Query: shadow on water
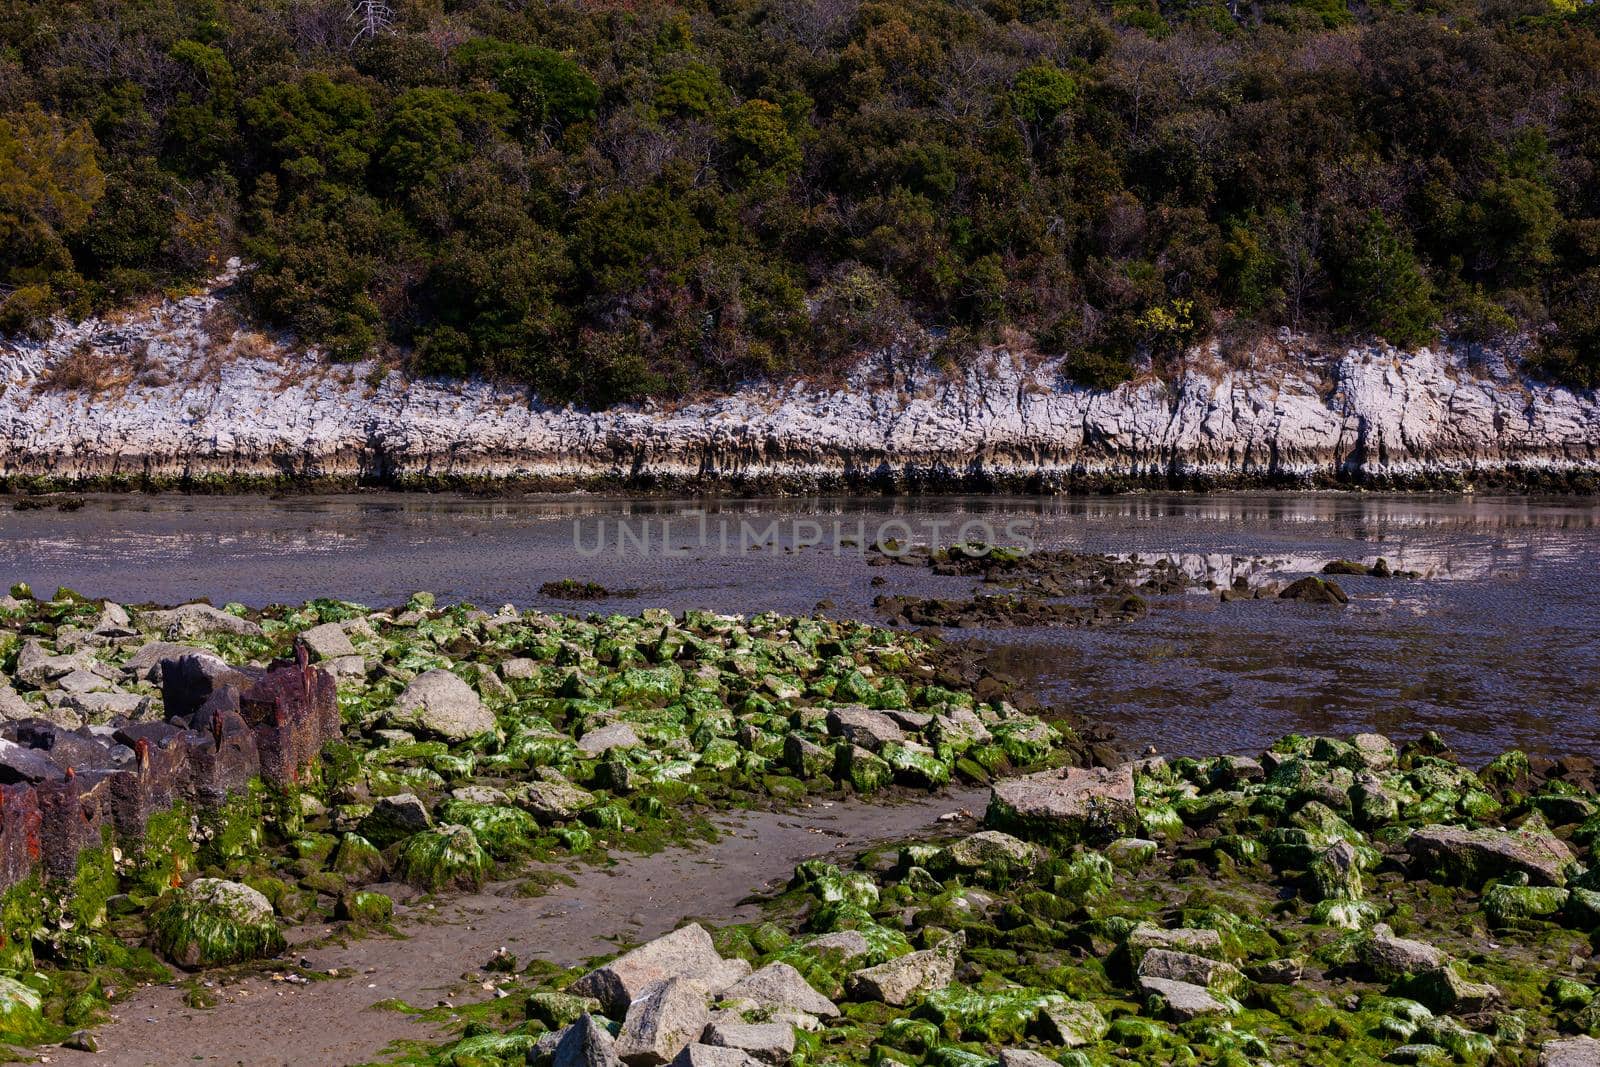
(1498, 646)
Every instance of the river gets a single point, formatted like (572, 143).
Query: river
(1497, 646)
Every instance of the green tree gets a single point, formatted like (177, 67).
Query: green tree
(315, 127)
(544, 87)
(1042, 92)
(431, 130)
(1382, 286)
(50, 181)
(202, 124)
(760, 143)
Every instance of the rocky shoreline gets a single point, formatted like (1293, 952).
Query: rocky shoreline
(1327, 901)
(182, 396)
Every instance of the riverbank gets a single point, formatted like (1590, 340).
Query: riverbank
(1326, 899)
(182, 396)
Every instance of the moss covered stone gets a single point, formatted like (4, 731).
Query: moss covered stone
(22, 1018)
(366, 908)
(437, 859)
(212, 921)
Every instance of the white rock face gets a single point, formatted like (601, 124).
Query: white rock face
(189, 405)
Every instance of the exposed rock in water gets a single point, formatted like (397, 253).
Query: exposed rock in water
(1315, 590)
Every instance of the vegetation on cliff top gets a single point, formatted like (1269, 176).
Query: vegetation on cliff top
(615, 200)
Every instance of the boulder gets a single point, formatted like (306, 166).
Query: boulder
(194, 620)
(1073, 1023)
(1443, 989)
(191, 682)
(1375, 750)
(438, 703)
(519, 669)
(848, 944)
(1184, 1001)
(1064, 807)
(1523, 907)
(585, 1044)
(395, 818)
(1314, 590)
(988, 847)
(37, 667)
(905, 978)
(113, 621)
(22, 765)
(1335, 873)
(1458, 856)
(1389, 958)
(211, 922)
(1200, 942)
(865, 727)
(449, 856)
(685, 953)
(1023, 1057)
(21, 1013)
(551, 801)
(1214, 975)
(770, 1043)
(865, 772)
(145, 663)
(12, 704)
(604, 739)
(328, 641)
(698, 1055)
(778, 985)
(660, 1023)
(1570, 1052)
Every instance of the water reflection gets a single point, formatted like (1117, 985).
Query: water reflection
(1497, 646)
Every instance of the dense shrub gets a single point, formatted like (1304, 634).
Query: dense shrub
(610, 201)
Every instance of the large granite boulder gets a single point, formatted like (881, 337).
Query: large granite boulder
(438, 703)
(1458, 856)
(1064, 807)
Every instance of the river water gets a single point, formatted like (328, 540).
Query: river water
(1497, 646)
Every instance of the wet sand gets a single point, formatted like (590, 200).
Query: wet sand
(263, 1023)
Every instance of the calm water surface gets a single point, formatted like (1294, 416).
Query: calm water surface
(1499, 646)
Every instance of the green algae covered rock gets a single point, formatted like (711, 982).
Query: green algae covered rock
(503, 831)
(437, 859)
(1003, 1016)
(490, 1050)
(358, 860)
(915, 766)
(211, 921)
(556, 1010)
(366, 908)
(865, 772)
(1523, 906)
(21, 1013)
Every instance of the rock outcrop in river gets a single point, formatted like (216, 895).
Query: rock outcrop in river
(179, 394)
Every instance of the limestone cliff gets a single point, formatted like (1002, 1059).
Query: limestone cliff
(179, 394)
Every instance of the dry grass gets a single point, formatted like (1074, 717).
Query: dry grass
(88, 370)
